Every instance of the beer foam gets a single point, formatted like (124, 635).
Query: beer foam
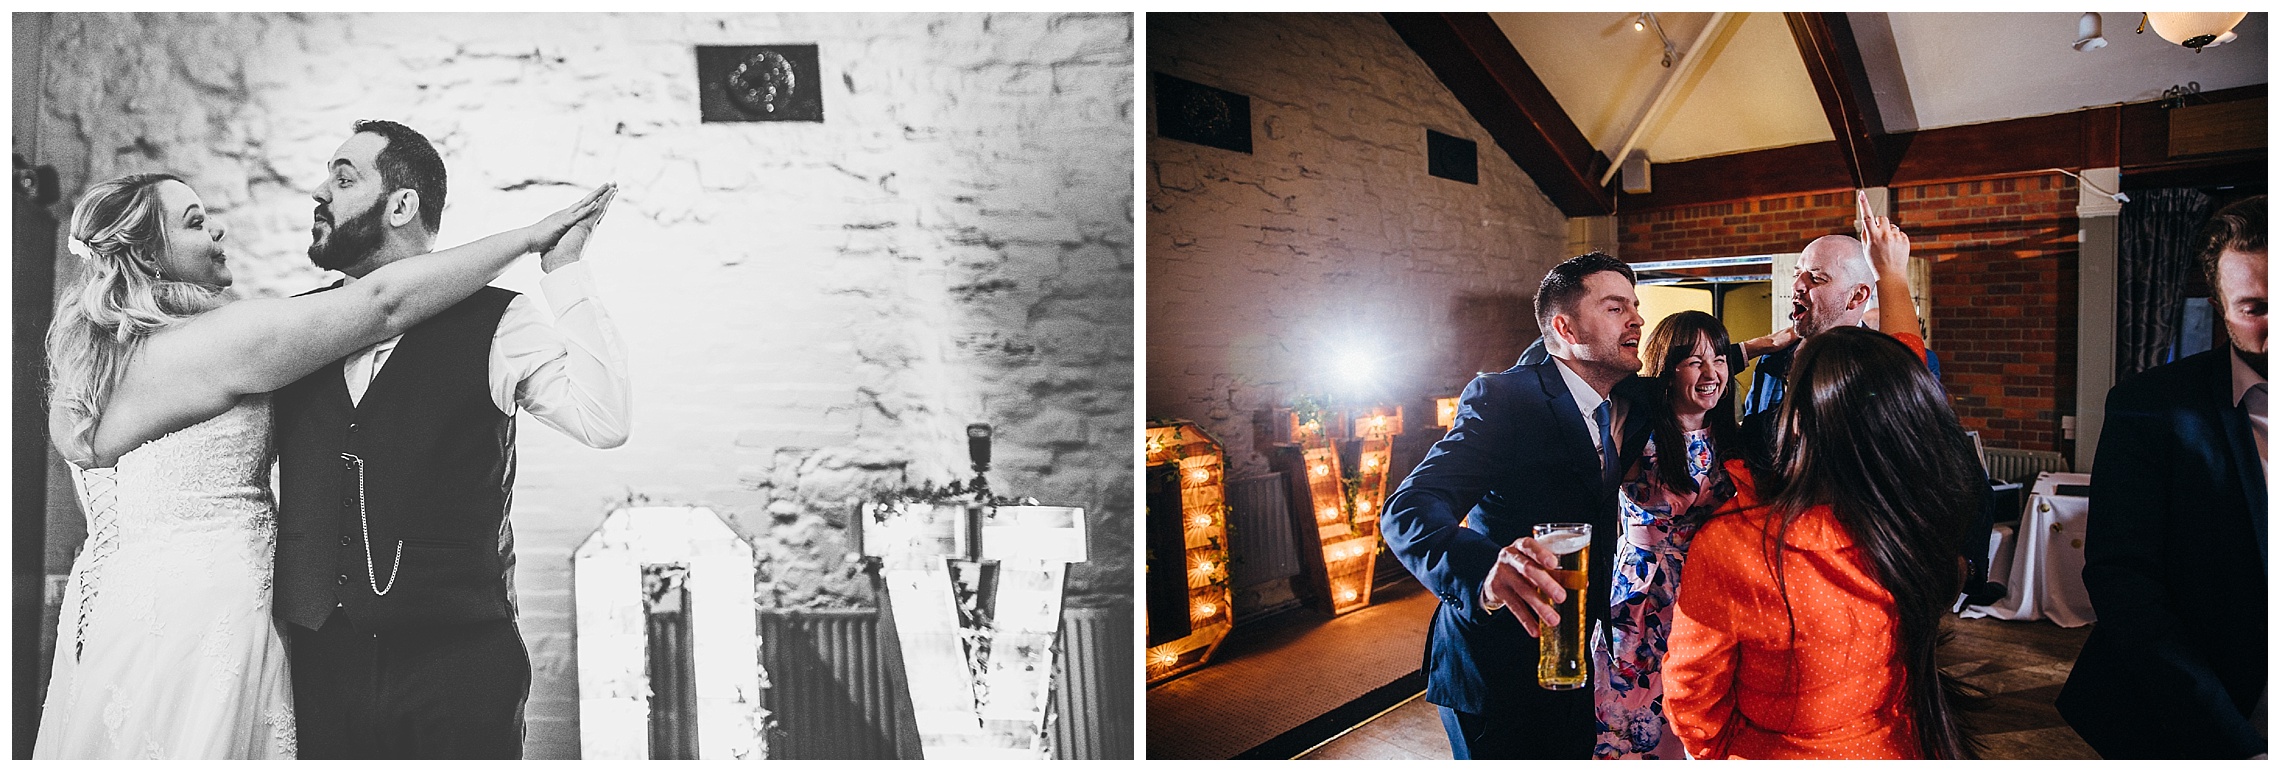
(1564, 543)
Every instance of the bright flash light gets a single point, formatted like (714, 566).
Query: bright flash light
(1205, 610)
(1369, 462)
(1163, 658)
(1202, 521)
(1200, 475)
(1355, 367)
(1319, 469)
(1326, 514)
(1205, 566)
(1362, 505)
(1349, 594)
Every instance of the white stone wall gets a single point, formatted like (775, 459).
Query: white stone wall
(1329, 239)
(814, 310)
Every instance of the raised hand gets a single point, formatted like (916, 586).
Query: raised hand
(572, 245)
(1887, 244)
(1888, 253)
(544, 233)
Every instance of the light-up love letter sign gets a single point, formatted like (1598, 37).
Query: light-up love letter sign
(975, 596)
(711, 571)
(1190, 603)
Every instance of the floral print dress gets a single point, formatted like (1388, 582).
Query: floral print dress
(1627, 659)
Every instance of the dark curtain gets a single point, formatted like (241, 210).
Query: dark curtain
(2156, 235)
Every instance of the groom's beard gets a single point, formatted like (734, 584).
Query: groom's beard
(350, 242)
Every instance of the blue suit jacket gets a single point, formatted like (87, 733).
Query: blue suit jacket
(2176, 571)
(1517, 455)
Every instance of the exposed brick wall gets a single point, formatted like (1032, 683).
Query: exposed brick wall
(1750, 227)
(813, 310)
(2003, 288)
(1330, 235)
(2003, 299)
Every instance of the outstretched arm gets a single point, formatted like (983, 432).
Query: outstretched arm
(196, 370)
(570, 375)
(1888, 253)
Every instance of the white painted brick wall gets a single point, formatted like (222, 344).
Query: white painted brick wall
(1330, 235)
(814, 311)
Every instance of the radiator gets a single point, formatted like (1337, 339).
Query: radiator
(1260, 539)
(2021, 466)
(830, 691)
(832, 695)
(1092, 691)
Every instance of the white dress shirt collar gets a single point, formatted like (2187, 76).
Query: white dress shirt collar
(1587, 398)
(2243, 377)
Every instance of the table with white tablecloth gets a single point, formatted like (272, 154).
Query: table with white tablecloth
(2041, 560)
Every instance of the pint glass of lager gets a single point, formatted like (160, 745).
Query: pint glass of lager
(1560, 652)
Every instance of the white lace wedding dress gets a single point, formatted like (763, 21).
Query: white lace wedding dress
(166, 648)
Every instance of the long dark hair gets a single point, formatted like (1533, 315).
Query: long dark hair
(1866, 430)
(1673, 341)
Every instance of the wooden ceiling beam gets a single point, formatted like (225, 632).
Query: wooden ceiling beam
(1477, 63)
(2133, 136)
(1833, 62)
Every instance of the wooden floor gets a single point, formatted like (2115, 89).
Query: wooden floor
(2021, 666)
(1275, 676)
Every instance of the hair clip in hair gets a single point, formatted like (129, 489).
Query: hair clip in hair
(80, 248)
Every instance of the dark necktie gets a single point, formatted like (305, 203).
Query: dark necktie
(1606, 418)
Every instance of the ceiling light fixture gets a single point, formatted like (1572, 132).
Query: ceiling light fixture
(2192, 30)
(1645, 20)
(2089, 33)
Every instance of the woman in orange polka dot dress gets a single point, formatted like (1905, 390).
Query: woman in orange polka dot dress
(1809, 620)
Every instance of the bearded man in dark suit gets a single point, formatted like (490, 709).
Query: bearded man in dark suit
(2176, 563)
(1539, 443)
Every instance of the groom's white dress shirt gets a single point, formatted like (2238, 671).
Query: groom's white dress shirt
(570, 374)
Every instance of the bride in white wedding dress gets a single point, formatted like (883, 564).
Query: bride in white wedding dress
(158, 398)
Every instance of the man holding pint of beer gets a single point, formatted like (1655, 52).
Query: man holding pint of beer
(1511, 517)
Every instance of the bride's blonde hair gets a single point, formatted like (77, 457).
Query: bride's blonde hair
(118, 229)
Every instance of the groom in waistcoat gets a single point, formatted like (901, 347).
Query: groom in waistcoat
(396, 469)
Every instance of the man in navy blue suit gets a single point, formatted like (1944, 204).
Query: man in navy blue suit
(2176, 563)
(1538, 443)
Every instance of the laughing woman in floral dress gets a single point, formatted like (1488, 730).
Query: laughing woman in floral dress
(1678, 481)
